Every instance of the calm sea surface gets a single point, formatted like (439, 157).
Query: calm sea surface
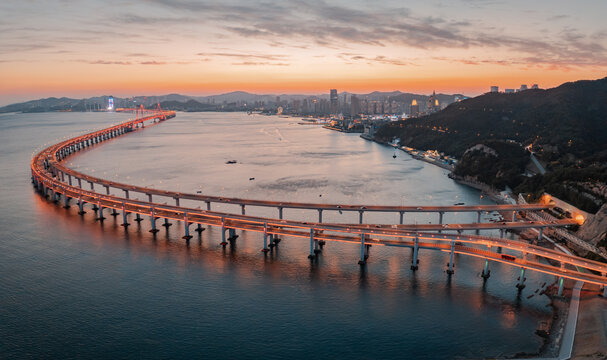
(71, 287)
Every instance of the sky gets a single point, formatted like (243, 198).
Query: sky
(124, 48)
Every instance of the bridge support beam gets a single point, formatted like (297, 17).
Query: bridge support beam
(362, 260)
(166, 223)
(208, 206)
(242, 209)
(66, 202)
(125, 222)
(265, 238)
(486, 272)
(199, 228)
(149, 197)
(223, 233)
(153, 221)
(280, 213)
(440, 217)
(138, 218)
(186, 227)
(401, 217)
(415, 261)
(540, 235)
(80, 183)
(126, 193)
(232, 234)
(176, 201)
(81, 206)
(319, 215)
(450, 270)
(311, 256)
(360, 216)
(514, 215)
(521, 280)
(100, 217)
(478, 217)
(561, 280)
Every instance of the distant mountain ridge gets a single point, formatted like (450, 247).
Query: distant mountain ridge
(200, 102)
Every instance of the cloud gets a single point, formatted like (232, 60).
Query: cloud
(105, 62)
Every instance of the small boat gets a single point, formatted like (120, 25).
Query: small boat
(231, 162)
(458, 204)
(251, 178)
(394, 156)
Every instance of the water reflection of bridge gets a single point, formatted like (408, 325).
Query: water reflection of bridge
(53, 178)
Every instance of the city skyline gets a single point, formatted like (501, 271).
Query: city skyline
(82, 49)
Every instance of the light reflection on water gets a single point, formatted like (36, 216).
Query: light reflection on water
(76, 286)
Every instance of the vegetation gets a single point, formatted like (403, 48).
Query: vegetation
(565, 126)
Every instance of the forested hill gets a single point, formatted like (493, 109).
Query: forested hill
(567, 120)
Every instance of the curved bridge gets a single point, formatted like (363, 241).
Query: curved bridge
(52, 178)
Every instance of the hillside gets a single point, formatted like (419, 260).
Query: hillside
(566, 126)
(569, 119)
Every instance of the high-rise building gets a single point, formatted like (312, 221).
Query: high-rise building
(414, 111)
(110, 103)
(534, 86)
(354, 105)
(495, 89)
(334, 101)
(523, 87)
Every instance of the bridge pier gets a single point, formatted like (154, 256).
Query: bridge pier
(69, 179)
(79, 183)
(415, 261)
(265, 238)
(138, 218)
(199, 228)
(176, 201)
(486, 272)
(186, 228)
(153, 221)
(319, 215)
(280, 213)
(561, 280)
(360, 216)
(232, 234)
(66, 202)
(311, 256)
(166, 223)
(362, 260)
(521, 280)
(125, 223)
(149, 197)
(450, 270)
(223, 233)
(92, 186)
(126, 193)
(401, 217)
(100, 217)
(81, 206)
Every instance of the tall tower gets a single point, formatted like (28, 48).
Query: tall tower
(334, 101)
(110, 103)
(414, 108)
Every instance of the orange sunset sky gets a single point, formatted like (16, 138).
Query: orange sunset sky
(90, 48)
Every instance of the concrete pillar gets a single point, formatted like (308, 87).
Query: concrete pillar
(208, 206)
(223, 233)
(311, 256)
(66, 201)
(153, 221)
(440, 217)
(402, 217)
(360, 216)
(265, 238)
(362, 249)
(138, 218)
(478, 216)
(242, 209)
(414, 262)
(521, 280)
(561, 280)
(176, 201)
(126, 193)
(280, 213)
(81, 206)
(125, 223)
(486, 272)
(166, 223)
(199, 228)
(186, 227)
(450, 270)
(149, 197)
(100, 217)
(319, 215)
